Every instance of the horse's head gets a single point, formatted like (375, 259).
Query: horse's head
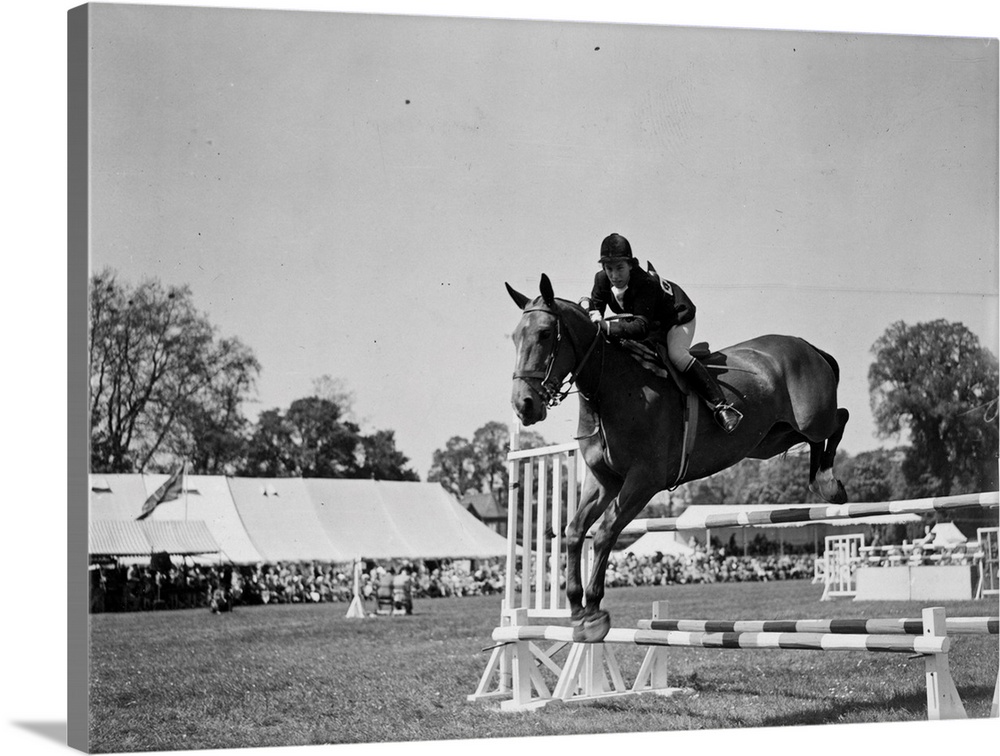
(547, 351)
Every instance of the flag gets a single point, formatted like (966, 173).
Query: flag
(171, 489)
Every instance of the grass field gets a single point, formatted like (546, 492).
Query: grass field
(304, 674)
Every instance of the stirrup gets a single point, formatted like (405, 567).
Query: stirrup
(728, 417)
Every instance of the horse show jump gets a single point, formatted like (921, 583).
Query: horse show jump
(639, 433)
(542, 494)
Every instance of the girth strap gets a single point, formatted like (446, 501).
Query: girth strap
(690, 432)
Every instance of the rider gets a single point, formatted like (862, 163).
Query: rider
(655, 309)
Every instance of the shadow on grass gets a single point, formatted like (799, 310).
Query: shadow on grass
(915, 703)
(55, 731)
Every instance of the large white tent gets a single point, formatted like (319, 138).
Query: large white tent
(295, 519)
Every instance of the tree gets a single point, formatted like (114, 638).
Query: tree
(490, 445)
(336, 391)
(875, 476)
(935, 381)
(381, 460)
(163, 387)
(479, 465)
(780, 480)
(311, 439)
(726, 486)
(308, 440)
(270, 451)
(454, 467)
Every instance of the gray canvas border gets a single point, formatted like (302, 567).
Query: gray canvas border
(77, 201)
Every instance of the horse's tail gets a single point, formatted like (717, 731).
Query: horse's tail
(834, 366)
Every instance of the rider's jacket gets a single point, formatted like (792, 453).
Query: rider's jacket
(652, 305)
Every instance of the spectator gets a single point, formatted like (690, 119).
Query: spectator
(402, 592)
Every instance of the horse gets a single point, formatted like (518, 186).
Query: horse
(631, 423)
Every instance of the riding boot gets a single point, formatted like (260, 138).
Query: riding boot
(705, 385)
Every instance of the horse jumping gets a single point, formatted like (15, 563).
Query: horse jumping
(631, 424)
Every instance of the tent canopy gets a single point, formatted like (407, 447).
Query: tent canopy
(947, 534)
(294, 519)
(387, 519)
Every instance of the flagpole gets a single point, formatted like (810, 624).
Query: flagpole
(185, 489)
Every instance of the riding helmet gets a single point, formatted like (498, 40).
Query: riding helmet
(615, 247)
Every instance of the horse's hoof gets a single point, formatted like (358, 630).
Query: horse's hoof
(831, 491)
(593, 629)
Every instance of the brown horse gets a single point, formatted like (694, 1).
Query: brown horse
(631, 423)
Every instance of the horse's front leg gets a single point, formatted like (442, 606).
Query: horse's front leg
(594, 499)
(638, 489)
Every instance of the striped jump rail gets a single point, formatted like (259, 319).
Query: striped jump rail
(953, 626)
(814, 513)
(773, 640)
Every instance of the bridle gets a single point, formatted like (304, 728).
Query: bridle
(553, 390)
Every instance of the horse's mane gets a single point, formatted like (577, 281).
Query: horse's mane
(575, 306)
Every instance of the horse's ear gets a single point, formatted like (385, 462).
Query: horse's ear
(545, 287)
(650, 269)
(519, 299)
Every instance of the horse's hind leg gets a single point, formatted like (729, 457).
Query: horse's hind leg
(821, 456)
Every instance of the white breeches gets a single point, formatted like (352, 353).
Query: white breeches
(679, 339)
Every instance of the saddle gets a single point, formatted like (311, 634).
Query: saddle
(647, 355)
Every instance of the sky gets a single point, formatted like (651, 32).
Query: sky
(545, 193)
(348, 193)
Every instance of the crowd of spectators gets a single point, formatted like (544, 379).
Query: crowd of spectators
(137, 587)
(706, 566)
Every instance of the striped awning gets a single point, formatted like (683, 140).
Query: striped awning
(145, 537)
(118, 538)
(180, 536)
